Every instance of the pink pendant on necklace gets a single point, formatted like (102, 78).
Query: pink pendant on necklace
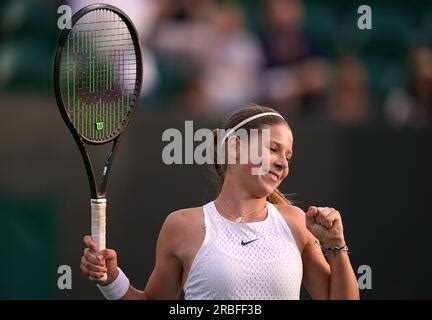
(239, 220)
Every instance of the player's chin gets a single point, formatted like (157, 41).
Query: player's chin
(269, 183)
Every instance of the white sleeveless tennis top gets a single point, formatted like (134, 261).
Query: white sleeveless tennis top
(245, 261)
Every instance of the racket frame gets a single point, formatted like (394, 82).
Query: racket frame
(96, 192)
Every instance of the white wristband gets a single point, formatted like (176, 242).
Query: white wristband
(116, 289)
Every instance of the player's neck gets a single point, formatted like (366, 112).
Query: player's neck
(241, 202)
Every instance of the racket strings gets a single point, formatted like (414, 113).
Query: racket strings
(99, 75)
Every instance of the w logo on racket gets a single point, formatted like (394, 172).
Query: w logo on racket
(99, 125)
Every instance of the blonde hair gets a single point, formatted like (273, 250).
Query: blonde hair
(276, 197)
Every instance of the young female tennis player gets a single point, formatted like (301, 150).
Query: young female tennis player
(249, 243)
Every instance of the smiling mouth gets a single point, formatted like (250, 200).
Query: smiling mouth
(274, 175)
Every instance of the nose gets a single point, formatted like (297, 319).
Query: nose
(281, 163)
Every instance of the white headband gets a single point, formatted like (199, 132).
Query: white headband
(259, 115)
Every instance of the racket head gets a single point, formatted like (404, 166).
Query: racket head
(98, 73)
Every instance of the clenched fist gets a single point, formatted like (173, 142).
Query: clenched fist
(326, 225)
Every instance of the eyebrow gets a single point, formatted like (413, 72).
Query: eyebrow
(279, 145)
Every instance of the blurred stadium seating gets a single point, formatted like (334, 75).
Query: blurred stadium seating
(28, 39)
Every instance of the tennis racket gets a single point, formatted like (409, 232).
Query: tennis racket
(97, 79)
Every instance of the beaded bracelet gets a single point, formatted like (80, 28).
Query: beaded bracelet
(335, 249)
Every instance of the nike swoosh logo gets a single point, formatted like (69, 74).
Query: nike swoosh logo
(243, 243)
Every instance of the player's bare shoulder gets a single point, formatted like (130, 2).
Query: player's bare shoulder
(296, 220)
(187, 218)
(183, 225)
(292, 213)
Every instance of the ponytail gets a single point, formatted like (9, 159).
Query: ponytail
(277, 197)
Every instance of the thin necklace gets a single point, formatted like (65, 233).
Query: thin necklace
(241, 218)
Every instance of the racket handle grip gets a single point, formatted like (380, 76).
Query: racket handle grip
(98, 231)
